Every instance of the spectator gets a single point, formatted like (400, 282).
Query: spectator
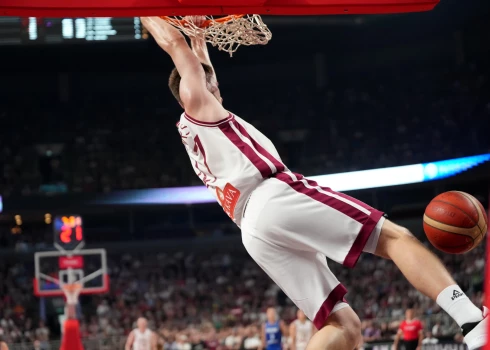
(371, 332)
(429, 339)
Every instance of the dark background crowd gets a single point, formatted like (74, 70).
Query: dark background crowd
(334, 95)
(94, 145)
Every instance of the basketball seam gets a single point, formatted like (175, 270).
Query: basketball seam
(454, 233)
(471, 200)
(461, 210)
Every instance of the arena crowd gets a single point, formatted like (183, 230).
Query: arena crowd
(222, 299)
(110, 142)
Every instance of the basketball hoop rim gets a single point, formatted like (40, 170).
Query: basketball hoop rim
(59, 293)
(207, 23)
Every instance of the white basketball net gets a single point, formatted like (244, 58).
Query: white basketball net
(72, 291)
(226, 35)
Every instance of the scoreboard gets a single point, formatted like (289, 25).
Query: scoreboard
(36, 30)
(68, 231)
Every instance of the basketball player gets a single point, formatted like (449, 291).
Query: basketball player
(301, 330)
(272, 331)
(141, 338)
(289, 223)
(411, 331)
(72, 339)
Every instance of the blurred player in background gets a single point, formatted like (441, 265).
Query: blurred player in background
(289, 223)
(141, 338)
(272, 331)
(301, 330)
(411, 332)
(72, 339)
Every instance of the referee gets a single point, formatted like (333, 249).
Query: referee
(411, 332)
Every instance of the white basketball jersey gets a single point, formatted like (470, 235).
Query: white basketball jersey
(303, 333)
(231, 157)
(142, 340)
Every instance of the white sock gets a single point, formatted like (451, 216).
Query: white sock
(458, 305)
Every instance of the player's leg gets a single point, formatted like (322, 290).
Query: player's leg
(309, 283)
(341, 331)
(275, 233)
(429, 276)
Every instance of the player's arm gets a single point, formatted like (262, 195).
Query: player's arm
(198, 101)
(292, 334)
(397, 339)
(262, 337)
(284, 328)
(199, 46)
(421, 335)
(154, 341)
(129, 342)
(5, 346)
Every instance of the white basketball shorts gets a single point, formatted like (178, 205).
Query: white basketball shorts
(290, 224)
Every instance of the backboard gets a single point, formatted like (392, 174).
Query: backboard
(130, 8)
(55, 268)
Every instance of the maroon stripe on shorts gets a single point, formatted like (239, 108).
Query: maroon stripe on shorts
(279, 166)
(246, 149)
(368, 221)
(336, 295)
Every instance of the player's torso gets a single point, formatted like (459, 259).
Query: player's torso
(142, 340)
(410, 329)
(273, 336)
(303, 333)
(231, 157)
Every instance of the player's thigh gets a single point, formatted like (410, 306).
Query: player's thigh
(410, 345)
(313, 218)
(303, 276)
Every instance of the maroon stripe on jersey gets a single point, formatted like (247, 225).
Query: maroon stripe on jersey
(246, 149)
(336, 295)
(368, 221)
(279, 166)
(208, 124)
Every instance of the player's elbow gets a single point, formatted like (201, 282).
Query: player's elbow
(171, 45)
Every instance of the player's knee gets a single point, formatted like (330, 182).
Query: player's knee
(391, 234)
(346, 324)
(352, 331)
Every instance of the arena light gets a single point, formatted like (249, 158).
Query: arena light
(400, 175)
(350, 181)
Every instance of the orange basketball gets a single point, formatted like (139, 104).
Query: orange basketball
(455, 222)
